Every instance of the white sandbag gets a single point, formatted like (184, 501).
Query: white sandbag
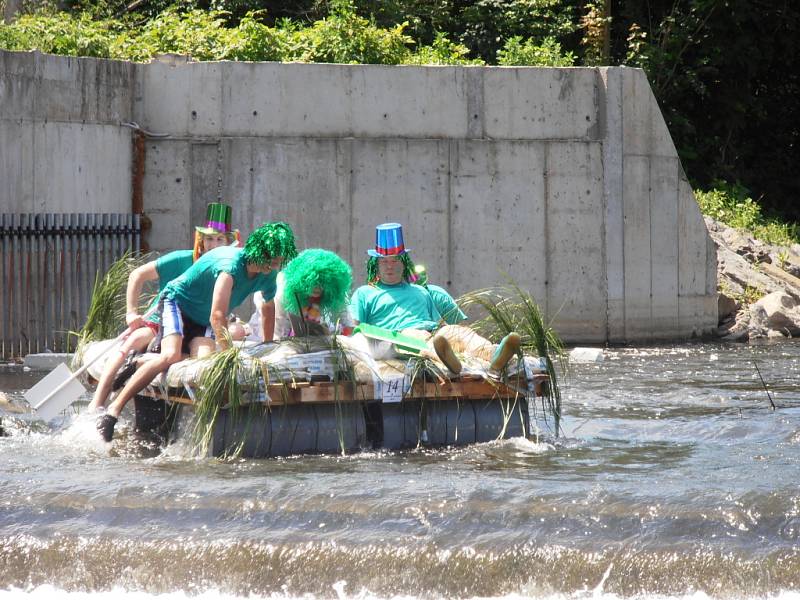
(586, 355)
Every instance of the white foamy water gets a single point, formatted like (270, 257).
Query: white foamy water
(338, 592)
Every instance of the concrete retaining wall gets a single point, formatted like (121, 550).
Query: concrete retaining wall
(566, 179)
(62, 148)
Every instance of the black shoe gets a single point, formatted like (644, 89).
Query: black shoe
(127, 369)
(105, 426)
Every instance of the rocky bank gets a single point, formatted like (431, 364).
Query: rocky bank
(759, 286)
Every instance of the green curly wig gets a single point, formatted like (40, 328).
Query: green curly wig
(268, 241)
(408, 269)
(317, 268)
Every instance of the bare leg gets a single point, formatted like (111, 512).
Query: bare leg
(464, 340)
(170, 354)
(137, 340)
(200, 347)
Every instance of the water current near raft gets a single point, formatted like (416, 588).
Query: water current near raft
(673, 479)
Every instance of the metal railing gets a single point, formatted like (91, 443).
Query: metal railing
(48, 265)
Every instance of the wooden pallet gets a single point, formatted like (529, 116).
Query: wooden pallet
(304, 392)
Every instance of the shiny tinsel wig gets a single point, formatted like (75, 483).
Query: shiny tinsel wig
(317, 268)
(269, 241)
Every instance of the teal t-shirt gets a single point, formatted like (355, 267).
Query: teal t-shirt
(193, 290)
(395, 307)
(172, 265)
(446, 306)
(169, 267)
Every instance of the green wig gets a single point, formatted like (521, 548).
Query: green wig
(408, 269)
(269, 241)
(317, 268)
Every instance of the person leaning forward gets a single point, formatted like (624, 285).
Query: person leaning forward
(194, 307)
(216, 232)
(390, 301)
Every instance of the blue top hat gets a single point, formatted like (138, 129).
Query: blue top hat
(388, 240)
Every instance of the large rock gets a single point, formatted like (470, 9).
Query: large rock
(741, 274)
(778, 311)
(726, 307)
(749, 271)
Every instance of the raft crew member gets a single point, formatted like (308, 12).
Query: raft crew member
(312, 297)
(442, 300)
(390, 301)
(194, 307)
(217, 232)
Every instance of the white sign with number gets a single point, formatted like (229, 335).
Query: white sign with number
(392, 390)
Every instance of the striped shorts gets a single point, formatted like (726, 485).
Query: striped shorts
(173, 322)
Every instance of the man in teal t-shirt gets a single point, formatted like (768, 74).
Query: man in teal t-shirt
(192, 291)
(394, 306)
(390, 301)
(217, 232)
(194, 307)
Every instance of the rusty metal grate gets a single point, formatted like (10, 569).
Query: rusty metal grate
(48, 265)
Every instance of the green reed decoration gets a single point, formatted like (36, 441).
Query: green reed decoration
(106, 316)
(510, 308)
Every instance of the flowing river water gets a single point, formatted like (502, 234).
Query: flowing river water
(673, 479)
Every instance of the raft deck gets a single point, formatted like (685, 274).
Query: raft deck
(306, 417)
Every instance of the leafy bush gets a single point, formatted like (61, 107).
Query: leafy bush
(346, 37)
(527, 52)
(343, 37)
(199, 34)
(731, 204)
(254, 41)
(59, 33)
(442, 52)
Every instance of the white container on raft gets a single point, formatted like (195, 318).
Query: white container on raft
(586, 355)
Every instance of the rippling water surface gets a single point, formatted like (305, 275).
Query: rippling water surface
(673, 479)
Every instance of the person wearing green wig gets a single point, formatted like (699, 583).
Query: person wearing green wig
(217, 232)
(311, 298)
(194, 307)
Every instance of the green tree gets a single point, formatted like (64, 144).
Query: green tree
(725, 75)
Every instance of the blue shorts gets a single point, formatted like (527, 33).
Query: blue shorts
(173, 322)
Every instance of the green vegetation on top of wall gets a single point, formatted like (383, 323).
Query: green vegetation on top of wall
(732, 205)
(341, 37)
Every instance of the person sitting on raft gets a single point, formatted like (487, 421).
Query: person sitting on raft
(390, 301)
(217, 232)
(311, 298)
(442, 300)
(193, 308)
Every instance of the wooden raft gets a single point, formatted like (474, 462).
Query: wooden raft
(327, 392)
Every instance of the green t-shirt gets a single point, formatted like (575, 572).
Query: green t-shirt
(446, 306)
(169, 267)
(193, 290)
(172, 265)
(395, 307)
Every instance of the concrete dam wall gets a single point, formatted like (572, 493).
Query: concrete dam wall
(566, 179)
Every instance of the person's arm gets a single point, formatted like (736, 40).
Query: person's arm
(283, 325)
(220, 302)
(354, 307)
(136, 280)
(268, 320)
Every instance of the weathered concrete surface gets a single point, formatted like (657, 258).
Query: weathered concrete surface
(62, 144)
(566, 179)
